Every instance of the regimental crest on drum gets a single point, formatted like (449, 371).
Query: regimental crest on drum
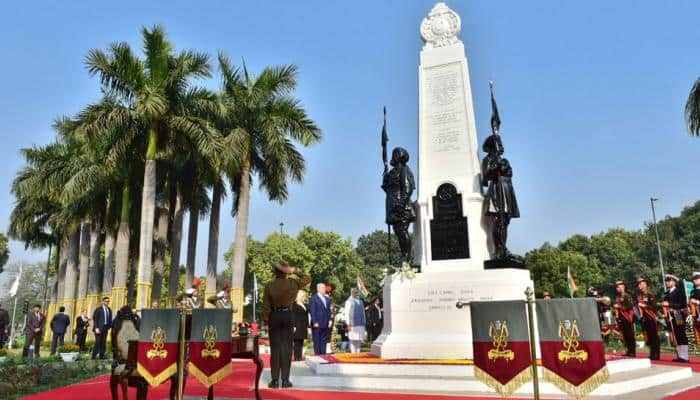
(568, 331)
(498, 331)
(158, 336)
(209, 336)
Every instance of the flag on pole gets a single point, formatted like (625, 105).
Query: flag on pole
(15, 284)
(501, 344)
(361, 287)
(570, 281)
(255, 287)
(571, 347)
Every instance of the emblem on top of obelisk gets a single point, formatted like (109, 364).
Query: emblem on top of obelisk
(441, 27)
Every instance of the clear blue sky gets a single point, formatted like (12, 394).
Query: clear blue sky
(591, 96)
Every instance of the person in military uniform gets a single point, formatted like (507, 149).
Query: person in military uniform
(695, 306)
(191, 300)
(646, 306)
(624, 316)
(223, 298)
(278, 299)
(677, 305)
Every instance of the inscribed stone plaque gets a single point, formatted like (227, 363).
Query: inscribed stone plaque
(449, 238)
(445, 112)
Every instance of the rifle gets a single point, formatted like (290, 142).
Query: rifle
(495, 120)
(385, 140)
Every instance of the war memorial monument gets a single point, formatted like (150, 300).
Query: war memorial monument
(458, 254)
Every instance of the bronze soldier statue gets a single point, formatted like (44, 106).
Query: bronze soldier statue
(399, 184)
(496, 174)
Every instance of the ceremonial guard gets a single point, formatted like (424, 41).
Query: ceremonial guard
(604, 314)
(695, 306)
(646, 311)
(223, 298)
(624, 315)
(191, 298)
(277, 314)
(677, 306)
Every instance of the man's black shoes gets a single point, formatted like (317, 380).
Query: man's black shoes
(274, 384)
(286, 383)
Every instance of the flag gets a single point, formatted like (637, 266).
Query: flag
(255, 287)
(157, 354)
(15, 284)
(210, 345)
(570, 281)
(573, 355)
(361, 287)
(500, 334)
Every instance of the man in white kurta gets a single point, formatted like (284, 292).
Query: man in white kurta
(355, 317)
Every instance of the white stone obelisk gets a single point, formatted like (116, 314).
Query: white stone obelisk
(450, 237)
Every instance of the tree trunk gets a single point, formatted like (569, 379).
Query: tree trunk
(175, 248)
(192, 243)
(148, 205)
(121, 253)
(107, 270)
(241, 242)
(213, 248)
(84, 265)
(161, 240)
(62, 264)
(71, 276)
(94, 276)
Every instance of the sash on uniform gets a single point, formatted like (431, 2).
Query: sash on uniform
(573, 356)
(210, 345)
(158, 345)
(501, 346)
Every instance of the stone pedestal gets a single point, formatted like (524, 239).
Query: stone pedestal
(421, 319)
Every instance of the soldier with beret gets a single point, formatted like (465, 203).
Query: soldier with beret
(695, 305)
(677, 304)
(278, 318)
(624, 314)
(646, 306)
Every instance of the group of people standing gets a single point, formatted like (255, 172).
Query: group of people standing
(288, 318)
(644, 307)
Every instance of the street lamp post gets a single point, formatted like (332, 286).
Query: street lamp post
(281, 235)
(658, 242)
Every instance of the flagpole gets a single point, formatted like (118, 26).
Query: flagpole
(14, 309)
(530, 295)
(255, 295)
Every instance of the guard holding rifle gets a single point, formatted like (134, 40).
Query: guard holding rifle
(695, 306)
(677, 305)
(624, 315)
(277, 315)
(646, 312)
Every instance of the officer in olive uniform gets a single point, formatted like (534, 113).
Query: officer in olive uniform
(624, 315)
(278, 299)
(646, 311)
(677, 304)
(695, 306)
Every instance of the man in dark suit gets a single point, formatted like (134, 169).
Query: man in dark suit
(4, 326)
(102, 322)
(374, 320)
(321, 320)
(34, 330)
(59, 326)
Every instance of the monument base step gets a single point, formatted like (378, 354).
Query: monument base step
(626, 376)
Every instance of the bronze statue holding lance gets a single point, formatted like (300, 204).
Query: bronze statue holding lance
(501, 204)
(398, 184)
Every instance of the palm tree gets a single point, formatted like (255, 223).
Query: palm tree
(265, 122)
(692, 110)
(158, 96)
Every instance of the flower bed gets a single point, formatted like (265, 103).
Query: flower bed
(19, 376)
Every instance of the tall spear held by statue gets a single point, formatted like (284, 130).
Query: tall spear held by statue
(385, 140)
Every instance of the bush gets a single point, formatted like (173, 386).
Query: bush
(18, 376)
(69, 348)
(3, 352)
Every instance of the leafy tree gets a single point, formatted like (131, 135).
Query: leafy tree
(31, 286)
(373, 248)
(548, 266)
(4, 251)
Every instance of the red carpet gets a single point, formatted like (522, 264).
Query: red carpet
(239, 386)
